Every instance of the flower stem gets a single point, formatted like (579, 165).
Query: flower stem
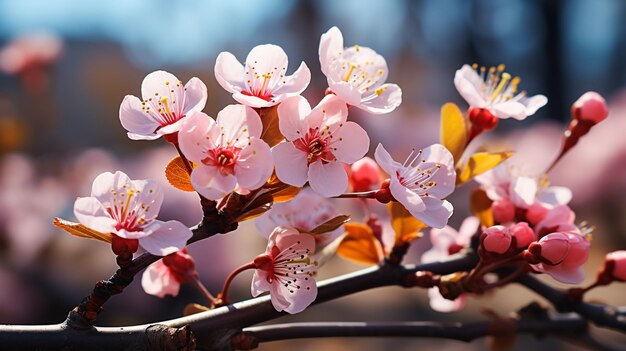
(182, 157)
(360, 195)
(195, 279)
(223, 296)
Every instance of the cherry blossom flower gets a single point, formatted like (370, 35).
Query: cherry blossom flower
(421, 182)
(357, 75)
(306, 211)
(229, 152)
(165, 276)
(319, 142)
(446, 242)
(128, 209)
(561, 255)
(262, 81)
(286, 270)
(165, 102)
(560, 218)
(495, 91)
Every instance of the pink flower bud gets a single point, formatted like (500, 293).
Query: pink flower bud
(523, 234)
(617, 262)
(562, 256)
(503, 211)
(536, 213)
(590, 107)
(497, 239)
(365, 175)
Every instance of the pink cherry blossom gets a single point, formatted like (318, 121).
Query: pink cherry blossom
(421, 182)
(560, 218)
(590, 107)
(128, 208)
(165, 276)
(496, 91)
(229, 152)
(448, 241)
(618, 261)
(561, 255)
(497, 239)
(365, 175)
(286, 270)
(306, 211)
(319, 142)
(262, 81)
(165, 102)
(357, 75)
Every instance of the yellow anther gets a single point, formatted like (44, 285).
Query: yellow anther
(475, 66)
(492, 70)
(505, 79)
(380, 72)
(501, 68)
(167, 106)
(379, 91)
(357, 48)
(352, 67)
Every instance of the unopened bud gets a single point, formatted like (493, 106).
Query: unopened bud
(523, 234)
(482, 119)
(615, 265)
(364, 175)
(383, 195)
(503, 211)
(590, 107)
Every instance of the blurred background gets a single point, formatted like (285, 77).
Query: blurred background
(66, 65)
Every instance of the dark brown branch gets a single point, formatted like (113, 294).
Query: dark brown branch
(214, 329)
(83, 315)
(601, 315)
(456, 331)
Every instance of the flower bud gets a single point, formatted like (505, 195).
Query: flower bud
(615, 265)
(364, 175)
(497, 239)
(536, 213)
(554, 248)
(383, 195)
(561, 255)
(482, 119)
(523, 234)
(503, 211)
(590, 107)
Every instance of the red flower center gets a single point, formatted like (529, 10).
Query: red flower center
(225, 158)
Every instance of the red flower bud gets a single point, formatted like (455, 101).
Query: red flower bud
(590, 107)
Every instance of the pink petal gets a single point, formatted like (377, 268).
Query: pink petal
(387, 101)
(267, 58)
(330, 112)
(510, 109)
(168, 238)
(291, 164)
(384, 160)
(437, 212)
(328, 179)
(210, 183)
(198, 134)
(534, 103)
(300, 299)
(90, 212)
(555, 195)
(150, 194)
(255, 165)
(410, 200)
(106, 182)
(259, 283)
(195, 96)
(239, 122)
(229, 72)
(252, 101)
(295, 83)
(523, 191)
(331, 46)
(139, 124)
(351, 142)
(345, 91)
(291, 115)
(444, 177)
(157, 280)
(154, 86)
(467, 230)
(469, 85)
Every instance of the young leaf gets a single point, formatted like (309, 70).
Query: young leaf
(177, 175)
(194, 308)
(280, 191)
(81, 231)
(271, 133)
(406, 227)
(453, 130)
(330, 224)
(481, 162)
(360, 245)
(480, 205)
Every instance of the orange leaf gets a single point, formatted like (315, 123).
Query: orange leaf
(177, 174)
(80, 230)
(480, 205)
(330, 224)
(406, 227)
(271, 132)
(453, 130)
(478, 163)
(360, 245)
(194, 308)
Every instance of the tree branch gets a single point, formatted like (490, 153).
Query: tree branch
(251, 337)
(601, 315)
(214, 329)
